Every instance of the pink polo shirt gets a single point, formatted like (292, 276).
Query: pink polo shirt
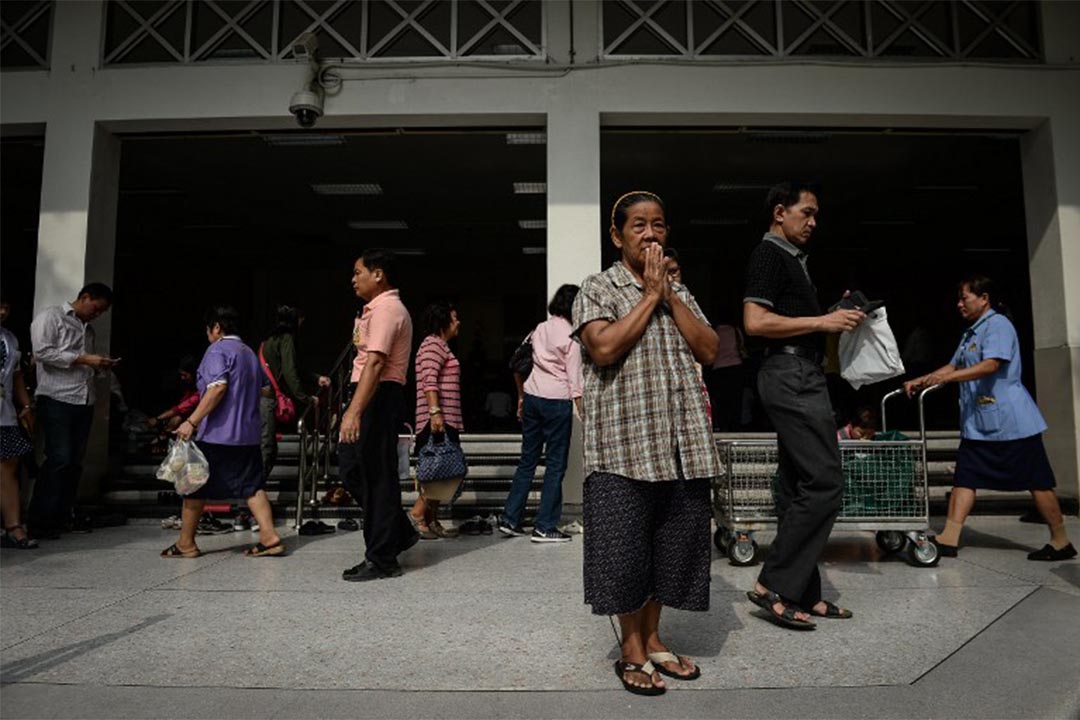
(384, 327)
(556, 372)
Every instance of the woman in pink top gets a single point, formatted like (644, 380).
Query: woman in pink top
(438, 410)
(545, 408)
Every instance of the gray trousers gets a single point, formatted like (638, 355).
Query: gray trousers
(268, 438)
(811, 485)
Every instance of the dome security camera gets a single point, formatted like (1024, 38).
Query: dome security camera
(307, 106)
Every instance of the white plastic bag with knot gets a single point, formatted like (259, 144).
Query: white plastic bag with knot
(185, 467)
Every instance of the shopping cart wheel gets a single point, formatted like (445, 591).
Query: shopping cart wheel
(742, 552)
(890, 541)
(924, 553)
(720, 539)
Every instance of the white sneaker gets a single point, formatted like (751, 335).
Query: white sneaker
(573, 528)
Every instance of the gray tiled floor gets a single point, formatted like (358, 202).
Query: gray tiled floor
(104, 614)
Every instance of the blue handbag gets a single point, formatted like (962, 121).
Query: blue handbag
(440, 460)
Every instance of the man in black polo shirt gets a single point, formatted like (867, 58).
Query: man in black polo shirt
(781, 306)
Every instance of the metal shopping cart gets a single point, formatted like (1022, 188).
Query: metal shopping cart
(885, 490)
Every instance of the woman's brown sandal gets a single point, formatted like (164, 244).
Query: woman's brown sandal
(832, 612)
(443, 532)
(174, 551)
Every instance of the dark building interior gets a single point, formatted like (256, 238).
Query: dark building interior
(255, 220)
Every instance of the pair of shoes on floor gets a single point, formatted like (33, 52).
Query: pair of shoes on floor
(316, 527)
(171, 523)
(365, 571)
(1032, 516)
(554, 535)
(210, 525)
(476, 526)
(348, 525)
(1049, 554)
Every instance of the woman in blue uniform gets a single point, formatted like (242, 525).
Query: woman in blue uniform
(1001, 444)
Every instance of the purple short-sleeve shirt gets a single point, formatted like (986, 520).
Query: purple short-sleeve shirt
(235, 421)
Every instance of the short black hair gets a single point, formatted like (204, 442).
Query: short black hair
(865, 417)
(287, 320)
(382, 259)
(562, 302)
(96, 291)
(188, 364)
(225, 316)
(787, 194)
(436, 317)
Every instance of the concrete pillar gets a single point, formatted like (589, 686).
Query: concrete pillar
(1052, 208)
(79, 193)
(573, 230)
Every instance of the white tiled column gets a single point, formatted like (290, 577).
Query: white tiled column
(1052, 208)
(573, 230)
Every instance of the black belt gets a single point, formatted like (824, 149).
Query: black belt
(814, 356)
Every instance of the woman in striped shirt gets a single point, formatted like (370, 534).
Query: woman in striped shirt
(438, 409)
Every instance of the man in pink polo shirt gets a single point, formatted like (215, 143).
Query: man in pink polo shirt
(367, 445)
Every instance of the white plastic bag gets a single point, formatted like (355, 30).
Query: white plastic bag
(868, 354)
(185, 467)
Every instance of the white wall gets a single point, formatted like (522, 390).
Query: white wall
(76, 96)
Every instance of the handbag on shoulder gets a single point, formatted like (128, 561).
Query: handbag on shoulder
(440, 459)
(284, 408)
(521, 362)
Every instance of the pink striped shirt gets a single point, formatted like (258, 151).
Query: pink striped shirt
(438, 369)
(556, 373)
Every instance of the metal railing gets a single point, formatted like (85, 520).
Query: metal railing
(315, 428)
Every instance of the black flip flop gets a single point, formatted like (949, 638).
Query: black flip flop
(786, 619)
(260, 550)
(660, 658)
(621, 668)
(175, 552)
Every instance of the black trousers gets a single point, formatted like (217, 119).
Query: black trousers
(66, 428)
(796, 399)
(369, 470)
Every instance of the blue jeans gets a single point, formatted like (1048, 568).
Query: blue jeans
(66, 428)
(544, 422)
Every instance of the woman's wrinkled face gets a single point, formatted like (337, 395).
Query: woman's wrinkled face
(970, 305)
(645, 225)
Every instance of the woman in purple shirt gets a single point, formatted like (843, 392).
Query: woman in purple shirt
(230, 380)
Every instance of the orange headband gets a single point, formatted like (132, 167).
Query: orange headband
(626, 195)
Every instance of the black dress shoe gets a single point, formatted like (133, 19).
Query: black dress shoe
(364, 572)
(1049, 554)
(349, 525)
(947, 550)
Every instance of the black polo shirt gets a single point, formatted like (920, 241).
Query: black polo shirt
(777, 278)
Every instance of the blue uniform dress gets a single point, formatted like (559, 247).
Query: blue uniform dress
(1001, 427)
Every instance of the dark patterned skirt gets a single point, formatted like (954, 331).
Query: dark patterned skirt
(1004, 465)
(236, 471)
(13, 442)
(646, 541)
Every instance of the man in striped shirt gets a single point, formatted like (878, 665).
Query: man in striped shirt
(63, 344)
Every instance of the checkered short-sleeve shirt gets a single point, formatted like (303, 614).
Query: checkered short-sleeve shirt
(644, 416)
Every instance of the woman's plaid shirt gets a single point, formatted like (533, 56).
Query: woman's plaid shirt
(644, 416)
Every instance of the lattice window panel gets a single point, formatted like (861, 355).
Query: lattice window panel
(25, 34)
(998, 30)
(194, 31)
